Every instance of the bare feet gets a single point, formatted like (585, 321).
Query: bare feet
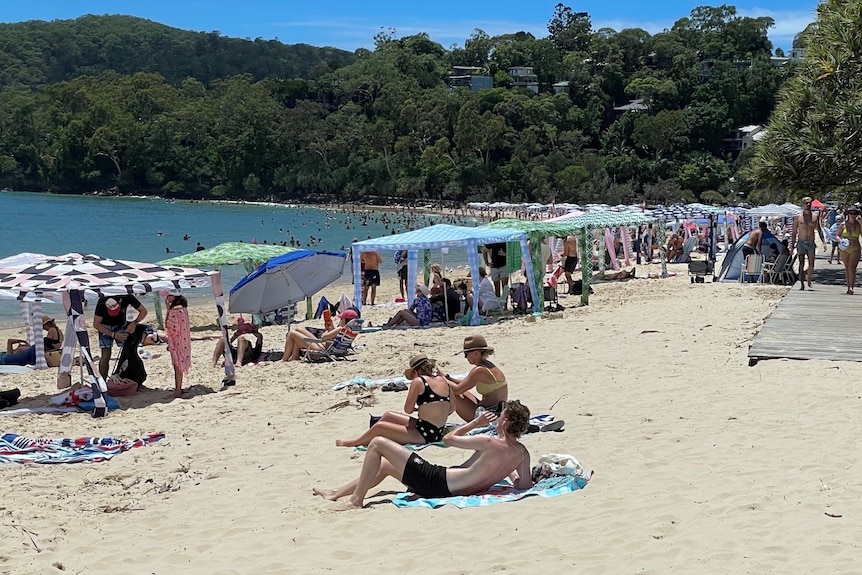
(347, 506)
(343, 443)
(178, 393)
(325, 493)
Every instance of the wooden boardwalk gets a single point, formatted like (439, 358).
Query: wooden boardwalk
(812, 324)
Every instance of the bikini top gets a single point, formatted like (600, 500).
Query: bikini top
(428, 395)
(486, 388)
(850, 233)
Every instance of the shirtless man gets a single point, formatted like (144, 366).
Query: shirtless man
(569, 256)
(370, 262)
(802, 239)
(494, 459)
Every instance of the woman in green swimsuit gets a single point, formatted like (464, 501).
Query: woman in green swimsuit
(850, 230)
(487, 378)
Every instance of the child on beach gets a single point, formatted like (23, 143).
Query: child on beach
(179, 337)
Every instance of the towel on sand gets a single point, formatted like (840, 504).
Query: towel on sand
(17, 449)
(503, 491)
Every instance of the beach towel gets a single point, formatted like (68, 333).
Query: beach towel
(179, 338)
(365, 382)
(17, 449)
(499, 493)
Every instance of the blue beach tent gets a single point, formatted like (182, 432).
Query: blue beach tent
(731, 267)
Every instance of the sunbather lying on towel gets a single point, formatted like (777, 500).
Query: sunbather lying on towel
(18, 352)
(428, 395)
(494, 459)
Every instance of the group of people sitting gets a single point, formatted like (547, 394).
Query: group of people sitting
(433, 396)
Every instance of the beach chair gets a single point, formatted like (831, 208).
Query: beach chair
(752, 268)
(774, 271)
(687, 247)
(338, 348)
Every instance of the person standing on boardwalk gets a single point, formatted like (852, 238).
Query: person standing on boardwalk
(848, 235)
(802, 240)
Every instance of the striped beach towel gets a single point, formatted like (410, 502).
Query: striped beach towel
(17, 449)
(503, 491)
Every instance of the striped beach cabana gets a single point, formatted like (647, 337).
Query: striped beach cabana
(581, 226)
(442, 236)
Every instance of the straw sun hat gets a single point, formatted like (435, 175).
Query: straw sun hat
(474, 342)
(416, 361)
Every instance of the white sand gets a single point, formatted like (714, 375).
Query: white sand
(703, 465)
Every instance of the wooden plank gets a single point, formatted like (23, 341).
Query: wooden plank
(806, 324)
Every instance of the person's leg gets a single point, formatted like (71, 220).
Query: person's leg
(853, 260)
(241, 347)
(401, 433)
(810, 267)
(504, 290)
(465, 405)
(178, 381)
(802, 257)
(383, 458)
(104, 361)
(218, 351)
(373, 294)
(364, 293)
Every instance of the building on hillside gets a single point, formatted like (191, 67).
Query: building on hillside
(743, 138)
(469, 77)
(633, 106)
(798, 53)
(561, 87)
(523, 77)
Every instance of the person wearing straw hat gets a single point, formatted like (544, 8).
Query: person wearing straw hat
(494, 459)
(53, 339)
(428, 395)
(485, 377)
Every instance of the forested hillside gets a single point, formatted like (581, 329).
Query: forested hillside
(388, 124)
(37, 53)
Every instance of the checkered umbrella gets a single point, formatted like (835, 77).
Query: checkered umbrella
(71, 274)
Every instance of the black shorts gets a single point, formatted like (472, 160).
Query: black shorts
(425, 479)
(570, 264)
(252, 353)
(748, 251)
(372, 277)
(402, 273)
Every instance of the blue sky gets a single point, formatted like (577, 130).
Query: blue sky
(351, 24)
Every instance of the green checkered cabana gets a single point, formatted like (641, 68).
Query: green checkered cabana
(580, 226)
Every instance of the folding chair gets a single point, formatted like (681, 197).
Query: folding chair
(772, 271)
(752, 267)
(338, 348)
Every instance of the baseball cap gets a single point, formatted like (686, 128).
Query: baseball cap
(113, 306)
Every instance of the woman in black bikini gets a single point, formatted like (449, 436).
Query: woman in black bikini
(428, 394)
(53, 339)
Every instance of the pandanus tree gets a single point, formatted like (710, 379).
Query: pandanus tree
(814, 138)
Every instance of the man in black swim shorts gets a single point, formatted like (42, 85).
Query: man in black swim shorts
(494, 459)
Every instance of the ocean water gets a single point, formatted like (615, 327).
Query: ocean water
(143, 229)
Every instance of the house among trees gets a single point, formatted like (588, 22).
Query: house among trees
(523, 77)
(469, 77)
(633, 106)
(561, 87)
(743, 138)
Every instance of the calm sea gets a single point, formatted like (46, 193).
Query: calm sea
(143, 229)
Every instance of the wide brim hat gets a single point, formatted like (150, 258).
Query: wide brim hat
(852, 210)
(416, 361)
(474, 342)
(47, 319)
(424, 289)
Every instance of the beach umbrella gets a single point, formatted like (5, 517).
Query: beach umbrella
(284, 280)
(230, 253)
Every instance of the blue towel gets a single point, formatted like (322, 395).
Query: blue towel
(503, 491)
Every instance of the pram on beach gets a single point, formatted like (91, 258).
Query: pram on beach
(698, 270)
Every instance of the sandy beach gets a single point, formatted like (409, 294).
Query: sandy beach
(702, 464)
